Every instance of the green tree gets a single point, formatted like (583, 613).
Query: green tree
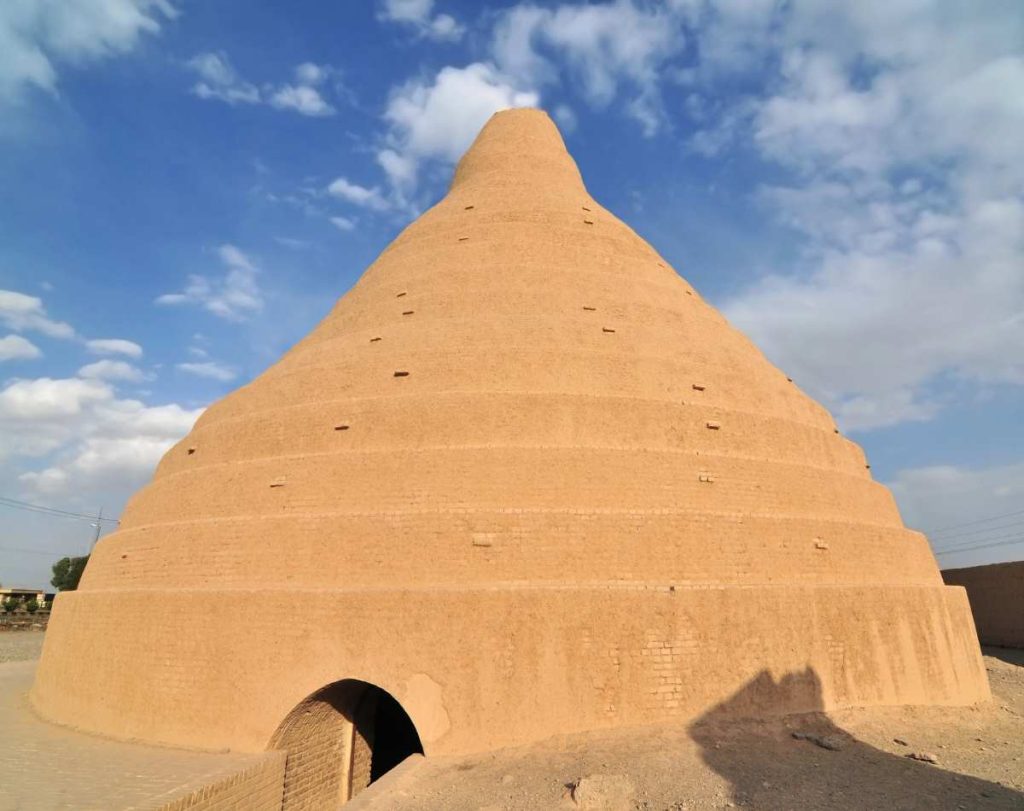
(67, 572)
(32, 606)
(9, 605)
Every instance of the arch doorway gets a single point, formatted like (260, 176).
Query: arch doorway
(339, 740)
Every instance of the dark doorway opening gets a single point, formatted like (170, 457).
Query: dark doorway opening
(341, 739)
(395, 737)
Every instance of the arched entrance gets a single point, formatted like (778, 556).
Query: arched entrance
(339, 740)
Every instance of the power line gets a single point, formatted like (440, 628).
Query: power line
(978, 541)
(972, 523)
(15, 504)
(983, 530)
(1017, 540)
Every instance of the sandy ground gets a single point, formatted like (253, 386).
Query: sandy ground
(20, 646)
(979, 755)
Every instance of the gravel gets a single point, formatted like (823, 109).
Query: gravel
(18, 646)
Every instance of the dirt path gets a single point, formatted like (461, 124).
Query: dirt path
(979, 755)
(44, 767)
(20, 646)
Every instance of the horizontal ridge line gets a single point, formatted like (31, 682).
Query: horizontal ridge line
(516, 393)
(609, 585)
(516, 511)
(422, 449)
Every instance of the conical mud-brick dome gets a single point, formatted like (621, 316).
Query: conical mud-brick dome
(522, 480)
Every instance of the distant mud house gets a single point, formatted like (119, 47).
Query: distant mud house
(521, 481)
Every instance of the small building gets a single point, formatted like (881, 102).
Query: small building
(23, 595)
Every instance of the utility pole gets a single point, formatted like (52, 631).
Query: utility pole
(98, 525)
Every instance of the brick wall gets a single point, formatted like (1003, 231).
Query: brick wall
(257, 788)
(996, 593)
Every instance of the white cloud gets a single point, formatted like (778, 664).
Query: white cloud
(234, 297)
(418, 14)
(46, 398)
(400, 169)
(111, 370)
(733, 38)
(898, 124)
(304, 97)
(14, 347)
(309, 73)
(39, 36)
(358, 195)
(438, 120)
(604, 47)
(218, 79)
(343, 223)
(293, 243)
(406, 11)
(81, 438)
(301, 98)
(565, 117)
(209, 369)
(445, 28)
(24, 313)
(114, 346)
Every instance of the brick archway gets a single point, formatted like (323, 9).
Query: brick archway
(339, 740)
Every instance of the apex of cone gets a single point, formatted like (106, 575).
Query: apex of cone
(518, 147)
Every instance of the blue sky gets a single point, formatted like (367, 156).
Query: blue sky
(186, 188)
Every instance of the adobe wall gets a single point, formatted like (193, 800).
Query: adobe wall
(996, 593)
(544, 660)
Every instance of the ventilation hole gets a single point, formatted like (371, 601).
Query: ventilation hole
(340, 427)
(835, 430)
(588, 222)
(470, 208)
(401, 374)
(820, 544)
(408, 312)
(400, 294)
(191, 451)
(689, 292)
(789, 380)
(585, 208)
(374, 339)
(590, 309)
(706, 477)
(714, 426)
(607, 329)
(463, 239)
(277, 483)
(698, 387)
(124, 557)
(867, 467)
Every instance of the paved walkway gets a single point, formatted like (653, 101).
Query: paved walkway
(45, 767)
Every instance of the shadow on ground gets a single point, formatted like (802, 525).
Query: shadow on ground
(806, 761)
(1012, 656)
